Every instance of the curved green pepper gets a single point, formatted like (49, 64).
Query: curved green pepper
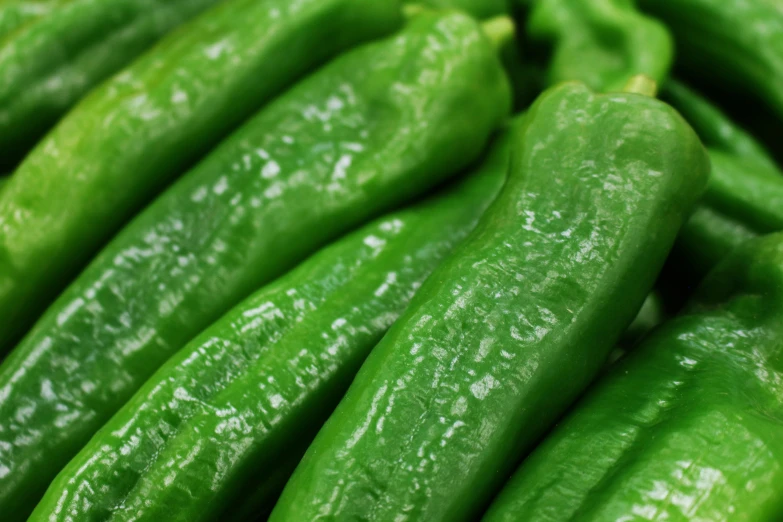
(744, 197)
(138, 131)
(51, 60)
(365, 133)
(234, 410)
(688, 427)
(737, 43)
(511, 327)
(603, 43)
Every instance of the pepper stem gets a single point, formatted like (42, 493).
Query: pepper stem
(500, 30)
(642, 84)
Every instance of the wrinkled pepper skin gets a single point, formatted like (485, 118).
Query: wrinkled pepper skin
(137, 132)
(603, 43)
(688, 427)
(234, 410)
(54, 59)
(512, 326)
(737, 43)
(744, 197)
(369, 131)
(478, 8)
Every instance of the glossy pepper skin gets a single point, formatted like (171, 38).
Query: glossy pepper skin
(234, 410)
(744, 197)
(603, 43)
(738, 43)
(53, 58)
(137, 132)
(688, 427)
(513, 325)
(369, 131)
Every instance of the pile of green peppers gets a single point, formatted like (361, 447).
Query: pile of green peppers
(391, 261)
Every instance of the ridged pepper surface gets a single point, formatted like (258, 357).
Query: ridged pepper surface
(371, 130)
(137, 132)
(214, 434)
(511, 328)
(687, 427)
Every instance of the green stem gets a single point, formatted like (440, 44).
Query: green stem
(500, 30)
(642, 84)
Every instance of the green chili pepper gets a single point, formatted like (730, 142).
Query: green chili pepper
(737, 43)
(58, 51)
(744, 197)
(511, 327)
(234, 410)
(602, 43)
(138, 131)
(372, 129)
(688, 427)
